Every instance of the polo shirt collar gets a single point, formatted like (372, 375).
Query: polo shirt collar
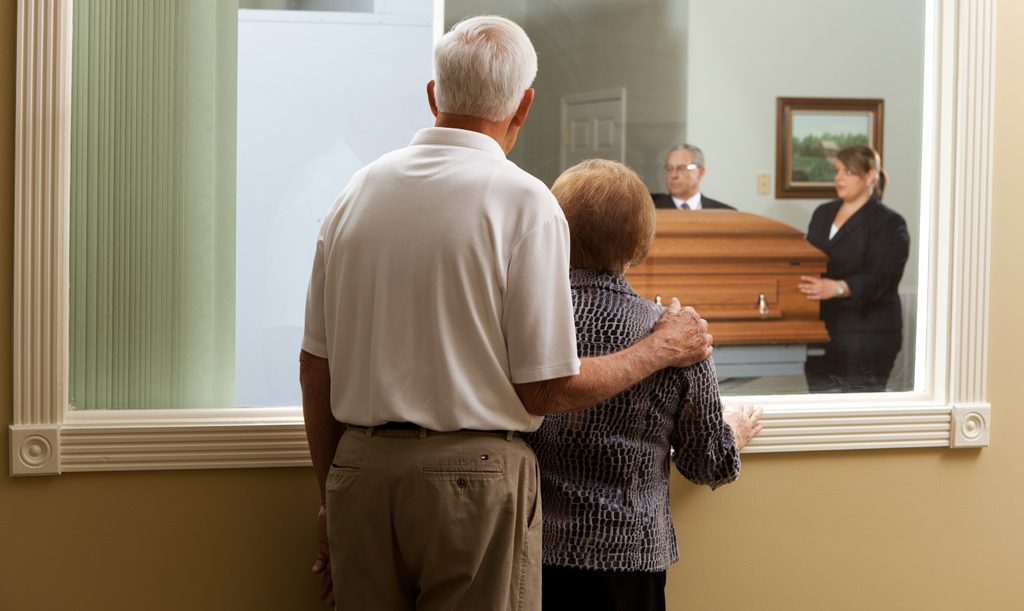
(448, 136)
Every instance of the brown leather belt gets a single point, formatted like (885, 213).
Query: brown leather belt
(423, 432)
(398, 426)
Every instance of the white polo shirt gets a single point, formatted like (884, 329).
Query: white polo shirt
(441, 276)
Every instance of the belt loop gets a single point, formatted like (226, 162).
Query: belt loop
(423, 433)
(369, 431)
(509, 435)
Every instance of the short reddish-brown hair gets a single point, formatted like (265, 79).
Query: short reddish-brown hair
(610, 214)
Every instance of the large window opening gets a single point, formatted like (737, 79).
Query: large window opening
(947, 405)
(207, 144)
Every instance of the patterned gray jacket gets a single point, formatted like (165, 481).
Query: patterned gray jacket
(605, 469)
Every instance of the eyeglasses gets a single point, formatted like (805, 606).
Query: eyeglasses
(690, 167)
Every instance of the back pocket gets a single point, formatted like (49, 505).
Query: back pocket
(341, 477)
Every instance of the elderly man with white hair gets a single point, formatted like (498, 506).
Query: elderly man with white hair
(439, 326)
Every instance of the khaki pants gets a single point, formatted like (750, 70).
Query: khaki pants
(434, 521)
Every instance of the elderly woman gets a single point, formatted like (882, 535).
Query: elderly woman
(608, 535)
(867, 244)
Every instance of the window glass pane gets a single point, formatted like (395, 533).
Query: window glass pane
(152, 204)
(347, 6)
(186, 295)
(309, 116)
(177, 102)
(709, 73)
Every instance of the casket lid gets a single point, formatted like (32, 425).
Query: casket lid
(728, 235)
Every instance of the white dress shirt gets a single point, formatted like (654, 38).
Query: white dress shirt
(692, 203)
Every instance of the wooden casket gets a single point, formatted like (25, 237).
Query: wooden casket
(740, 271)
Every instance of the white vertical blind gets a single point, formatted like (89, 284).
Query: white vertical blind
(153, 204)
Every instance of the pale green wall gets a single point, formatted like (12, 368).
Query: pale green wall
(709, 72)
(743, 55)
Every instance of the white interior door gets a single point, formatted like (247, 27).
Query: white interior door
(593, 126)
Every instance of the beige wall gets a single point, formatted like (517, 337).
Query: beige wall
(930, 529)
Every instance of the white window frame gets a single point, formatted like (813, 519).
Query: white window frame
(47, 437)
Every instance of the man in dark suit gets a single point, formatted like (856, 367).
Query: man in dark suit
(684, 169)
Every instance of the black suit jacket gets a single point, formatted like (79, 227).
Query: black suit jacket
(869, 252)
(664, 200)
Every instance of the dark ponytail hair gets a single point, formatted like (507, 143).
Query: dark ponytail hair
(862, 159)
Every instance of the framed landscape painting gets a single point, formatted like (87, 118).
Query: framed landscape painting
(810, 131)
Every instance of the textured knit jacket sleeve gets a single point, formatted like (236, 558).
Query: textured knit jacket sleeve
(704, 449)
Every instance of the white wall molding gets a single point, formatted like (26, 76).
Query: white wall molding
(971, 425)
(187, 446)
(854, 428)
(41, 194)
(971, 210)
(35, 449)
(949, 409)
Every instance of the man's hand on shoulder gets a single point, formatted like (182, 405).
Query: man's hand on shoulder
(684, 335)
(679, 339)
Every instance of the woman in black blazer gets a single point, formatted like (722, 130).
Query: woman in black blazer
(867, 244)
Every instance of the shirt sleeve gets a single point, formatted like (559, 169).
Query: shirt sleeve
(705, 449)
(314, 336)
(537, 321)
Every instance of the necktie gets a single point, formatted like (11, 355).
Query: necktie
(685, 206)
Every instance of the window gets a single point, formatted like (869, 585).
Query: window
(203, 156)
(47, 437)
